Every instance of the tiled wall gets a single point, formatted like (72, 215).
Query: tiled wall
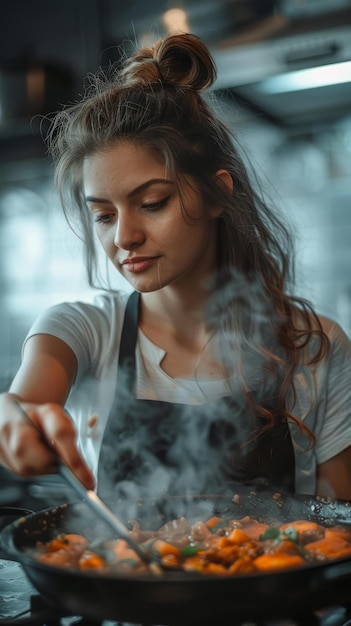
(310, 175)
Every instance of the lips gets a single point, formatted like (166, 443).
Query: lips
(139, 264)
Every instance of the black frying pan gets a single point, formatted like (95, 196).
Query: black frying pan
(181, 598)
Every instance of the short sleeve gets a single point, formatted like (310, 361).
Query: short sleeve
(92, 331)
(335, 393)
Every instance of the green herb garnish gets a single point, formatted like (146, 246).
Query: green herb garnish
(189, 550)
(289, 534)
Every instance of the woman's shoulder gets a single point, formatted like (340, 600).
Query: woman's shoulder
(80, 320)
(317, 322)
(333, 329)
(339, 340)
(91, 329)
(339, 343)
(323, 335)
(104, 304)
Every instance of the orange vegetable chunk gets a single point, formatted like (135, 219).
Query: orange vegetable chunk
(239, 536)
(90, 560)
(277, 561)
(214, 521)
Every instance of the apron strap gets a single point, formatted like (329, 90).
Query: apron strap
(126, 358)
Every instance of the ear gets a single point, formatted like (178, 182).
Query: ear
(227, 181)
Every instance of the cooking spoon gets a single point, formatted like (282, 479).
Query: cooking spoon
(94, 501)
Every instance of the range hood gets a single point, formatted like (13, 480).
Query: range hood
(295, 72)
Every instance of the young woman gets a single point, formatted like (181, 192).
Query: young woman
(210, 372)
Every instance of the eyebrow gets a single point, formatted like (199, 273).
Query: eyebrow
(134, 192)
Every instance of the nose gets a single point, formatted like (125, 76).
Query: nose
(129, 232)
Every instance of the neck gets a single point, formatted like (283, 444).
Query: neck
(168, 307)
(177, 325)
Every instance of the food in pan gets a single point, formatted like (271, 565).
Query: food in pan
(217, 546)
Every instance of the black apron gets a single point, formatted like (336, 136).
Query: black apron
(159, 448)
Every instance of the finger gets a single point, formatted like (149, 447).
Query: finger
(60, 434)
(24, 452)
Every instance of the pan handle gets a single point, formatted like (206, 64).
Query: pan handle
(10, 513)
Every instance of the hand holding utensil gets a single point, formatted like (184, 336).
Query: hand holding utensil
(94, 501)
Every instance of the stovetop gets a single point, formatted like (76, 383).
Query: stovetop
(15, 590)
(21, 605)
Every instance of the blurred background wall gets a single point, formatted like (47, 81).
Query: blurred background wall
(299, 137)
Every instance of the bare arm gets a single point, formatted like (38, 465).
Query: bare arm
(41, 385)
(334, 476)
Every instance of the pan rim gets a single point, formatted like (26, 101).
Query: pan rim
(28, 561)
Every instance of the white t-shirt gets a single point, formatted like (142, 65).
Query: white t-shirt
(93, 331)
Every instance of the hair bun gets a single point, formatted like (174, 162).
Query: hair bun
(179, 60)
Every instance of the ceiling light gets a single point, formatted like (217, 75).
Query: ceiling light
(333, 74)
(176, 20)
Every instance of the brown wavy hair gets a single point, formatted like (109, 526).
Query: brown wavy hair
(154, 98)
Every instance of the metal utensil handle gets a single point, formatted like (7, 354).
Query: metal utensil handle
(101, 509)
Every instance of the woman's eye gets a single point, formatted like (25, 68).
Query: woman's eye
(155, 206)
(103, 219)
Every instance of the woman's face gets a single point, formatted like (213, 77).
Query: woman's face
(139, 221)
